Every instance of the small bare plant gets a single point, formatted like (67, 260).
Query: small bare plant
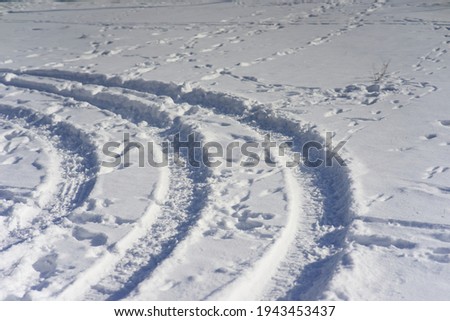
(380, 73)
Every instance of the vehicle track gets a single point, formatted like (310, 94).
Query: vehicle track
(78, 163)
(311, 246)
(174, 213)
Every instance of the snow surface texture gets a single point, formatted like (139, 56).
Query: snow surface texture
(76, 75)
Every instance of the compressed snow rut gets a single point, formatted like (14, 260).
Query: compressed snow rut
(67, 166)
(261, 251)
(77, 163)
(165, 225)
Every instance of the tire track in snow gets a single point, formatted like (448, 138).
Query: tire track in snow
(171, 221)
(29, 262)
(332, 186)
(78, 168)
(28, 83)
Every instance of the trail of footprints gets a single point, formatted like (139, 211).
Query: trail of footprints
(366, 232)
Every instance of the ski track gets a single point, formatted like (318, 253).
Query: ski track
(319, 200)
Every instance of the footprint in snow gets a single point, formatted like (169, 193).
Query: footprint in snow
(439, 255)
(384, 241)
(96, 239)
(445, 123)
(333, 112)
(379, 198)
(443, 237)
(430, 172)
(428, 136)
(46, 266)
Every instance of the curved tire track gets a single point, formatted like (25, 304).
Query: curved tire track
(173, 219)
(79, 168)
(331, 196)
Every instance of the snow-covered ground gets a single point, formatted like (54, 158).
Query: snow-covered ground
(77, 75)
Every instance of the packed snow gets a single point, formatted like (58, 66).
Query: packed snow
(368, 79)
